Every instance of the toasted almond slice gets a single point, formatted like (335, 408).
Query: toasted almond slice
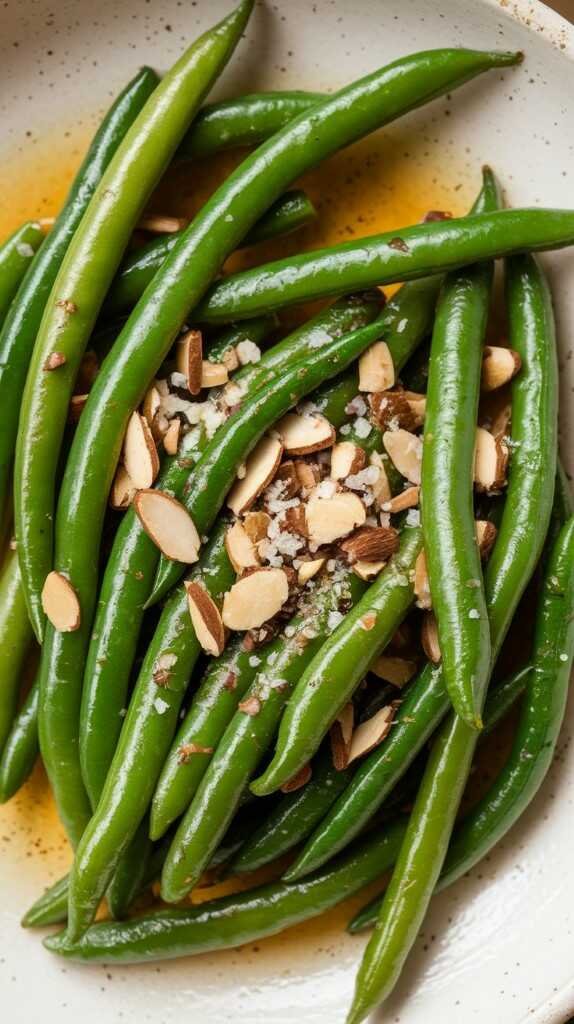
(60, 603)
(296, 520)
(367, 570)
(230, 359)
(140, 453)
(329, 519)
(261, 467)
(371, 544)
(381, 487)
(485, 537)
(206, 618)
(171, 437)
(309, 569)
(188, 358)
(421, 582)
(250, 706)
(490, 461)
(429, 638)
(418, 404)
(369, 734)
(151, 404)
(213, 375)
(55, 360)
(286, 473)
(255, 525)
(346, 458)
(300, 779)
(123, 489)
(162, 668)
(499, 366)
(392, 408)
(76, 407)
(159, 224)
(304, 434)
(376, 368)
(187, 751)
(308, 474)
(240, 548)
(406, 452)
(340, 735)
(255, 599)
(169, 525)
(409, 498)
(393, 670)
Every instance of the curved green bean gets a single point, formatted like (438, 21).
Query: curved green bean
(15, 640)
(16, 254)
(21, 747)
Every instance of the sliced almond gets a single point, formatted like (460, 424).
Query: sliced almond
(60, 603)
(409, 498)
(340, 735)
(140, 453)
(291, 486)
(367, 570)
(188, 750)
(169, 525)
(296, 520)
(421, 582)
(499, 366)
(213, 375)
(371, 733)
(159, 224)
(308, 474)
(307, 570)
(371, 544)
(240, 548)
(189, 355)
(300, 779)
(255, 525)
(123, 489)
(376, 368)
(171, 437)
(406, 452)
(260, 469)
(160, 427)
(250, 706)
(55, 360)
(206, 618)
(151, 404)
(393, 670)
(230, 360)
(76, 407)
(392, 409)
(346, 458)
(429, 638)
(329, 519)
(485, 537)
(418, 404)
(381, 487)
(255, 599)
(304, 434)
(490, 461)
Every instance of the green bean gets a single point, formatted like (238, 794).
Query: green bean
(21, 326)
(130, 873)
(21, 747)
(16, 254)
(83, 279)
(15, 640)
(289, 213)
(50, 908)
(330, 680)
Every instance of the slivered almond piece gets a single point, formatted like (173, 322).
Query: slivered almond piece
(405, 451)
(296, 520)
(255, 599)
(490, 461)
(300, 779)
(369, 734)
(160, 224)
(392, 407)
(418, 404)
(393, 670)
(260, 469)
(213, 375)
(255, 525)
(54, 361)
(329, 519)
(421, 582)
(429, 638)
(308, 474)
(140, 453)
(230, 359)
(371, 544)
(381, 487)
(304, 434)
(286, 473)
(169, 525)
(188, 358)
(309, 569)
(346, 458)
(76, 407)
(187, 750)
(60, 603)
(171, 437)
(206, 619)
(499, 366)
(367, 570)
(408, 498)
(250, 706)
(376, 368)
(340, 735)
(485, 537)
(240, 548)
(151, 404)
(123, 490)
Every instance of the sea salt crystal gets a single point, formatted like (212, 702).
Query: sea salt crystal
(248, 352)
(362, 427)
(160, 705)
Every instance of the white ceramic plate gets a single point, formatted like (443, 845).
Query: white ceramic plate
(498, 946)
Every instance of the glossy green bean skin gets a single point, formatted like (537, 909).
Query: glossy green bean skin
(447, 498)
(16, 255)
(131, 871)
(146, 736)
(248, 737)
(50, 908)
(21, 747)
(233, 920)
(15, 640)
(243, 121)
(383, 259)
(85, 274)
(329, 682)
(289, 213)
(21, 326)
(524, 524)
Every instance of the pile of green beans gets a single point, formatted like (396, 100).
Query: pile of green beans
(166, 763)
